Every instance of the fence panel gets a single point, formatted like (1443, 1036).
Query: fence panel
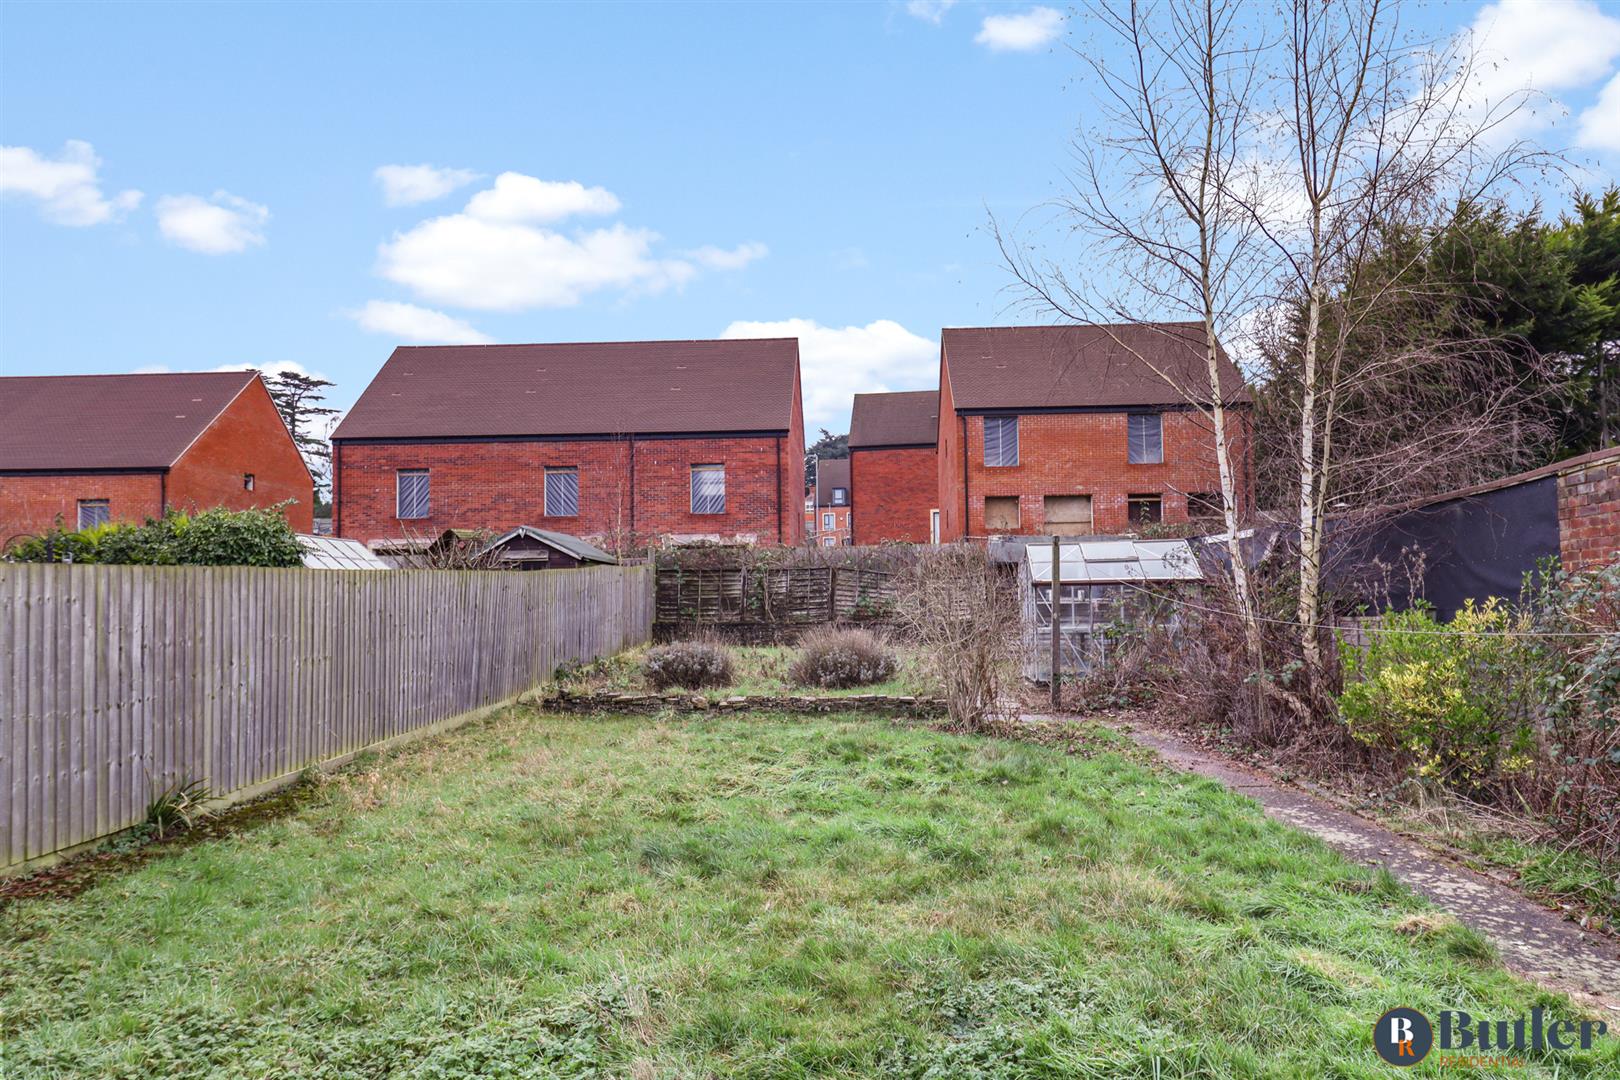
(118, 683)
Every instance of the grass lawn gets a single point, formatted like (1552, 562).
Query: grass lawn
(760, 669)
(743, 896)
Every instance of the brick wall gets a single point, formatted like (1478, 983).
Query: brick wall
(248, 437)
(499, 485)
(1589, 514)
(29, 505)
(1079, 454)
(897, 490)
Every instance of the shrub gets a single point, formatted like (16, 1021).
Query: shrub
(217, 537)
(965, 621)
(690, 665)
(1455, 701)
(833, 659)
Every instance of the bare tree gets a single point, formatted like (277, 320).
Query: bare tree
(1376, 134)
(1157, 188)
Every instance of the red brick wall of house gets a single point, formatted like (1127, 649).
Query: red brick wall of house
(248, 437)
(897, 490)
(1081, 454)
(499, 485)
(1588, 514)
(792, 479)
(952, 522)
(29, 505)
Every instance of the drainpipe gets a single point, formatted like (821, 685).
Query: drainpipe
(965, 518)
(632, 485)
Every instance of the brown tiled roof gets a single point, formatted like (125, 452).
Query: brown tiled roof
(590, 388)
(1031, 367)
(909, 418)
(830, 473)
(72, 422)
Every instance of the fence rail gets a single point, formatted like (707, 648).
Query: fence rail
(119, 682)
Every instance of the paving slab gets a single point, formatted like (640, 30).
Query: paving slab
(1538, 944)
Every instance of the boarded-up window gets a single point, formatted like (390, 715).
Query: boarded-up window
(411, 493)
(1204, 504)
(1146, 439)
(1068, 515)
(1145, 509)
(562, 492)
(1000, 513)
(1001, 440)
(93, 512)
(708, 489)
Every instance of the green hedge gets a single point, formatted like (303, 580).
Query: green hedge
(215, 537)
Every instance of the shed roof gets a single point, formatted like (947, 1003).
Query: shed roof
(336, 553)
(71, 422)
(1115, 560)
(1031, 367)
(904, 418)
(584, 388)
(581, 550)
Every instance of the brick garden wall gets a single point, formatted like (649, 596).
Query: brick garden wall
(1081, 454)
(1589, 514)
(895, 491)
(499, 485)
(29, 505)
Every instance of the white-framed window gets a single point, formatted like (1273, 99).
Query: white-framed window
(840, 497)
(829, 541)
(1000, 441)
(708, 489)
(827, 521)
(562, 492)
(247, 481)
(1145, 442)
(94, 512)
(411, 493)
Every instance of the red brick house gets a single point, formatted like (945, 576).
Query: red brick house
(894, 465)
(619, 442)
(1073, 430)
(829, 510)
(94, 448)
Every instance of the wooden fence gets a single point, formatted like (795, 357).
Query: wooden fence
(119, 682)
(751, 603)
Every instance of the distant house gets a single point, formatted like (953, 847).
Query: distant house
(87, 449)
(829, 509)
(621, 442)
(894, 466)
(1073, 430)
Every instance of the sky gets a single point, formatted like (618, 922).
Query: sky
(187, 187)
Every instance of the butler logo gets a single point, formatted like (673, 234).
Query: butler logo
(1403, 1036)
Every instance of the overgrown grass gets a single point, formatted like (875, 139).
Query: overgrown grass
(743, 897)
(760, 669)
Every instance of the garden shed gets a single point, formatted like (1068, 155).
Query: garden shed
(1101, 583)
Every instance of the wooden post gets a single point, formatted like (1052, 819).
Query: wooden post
(1057, 627)
(832, 594)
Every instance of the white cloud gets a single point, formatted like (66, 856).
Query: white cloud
(406, 185)
(220, 225)
(519, 198)
(495, 255)
(929, 10)
(418, 325)
(836, 363)
(66, 186)
(1600, 125)
(1545, 46)
(1026, 32)
(713, 258)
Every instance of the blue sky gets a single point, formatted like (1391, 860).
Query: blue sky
(193, 186)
